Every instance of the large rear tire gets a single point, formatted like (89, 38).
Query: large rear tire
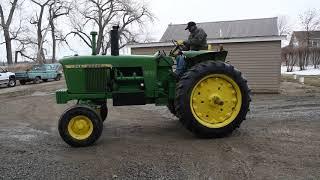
(171, 107)
(80, 126)
(212, 99)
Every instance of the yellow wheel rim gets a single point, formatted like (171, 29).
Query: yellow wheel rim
(80, 127)
(216, 101)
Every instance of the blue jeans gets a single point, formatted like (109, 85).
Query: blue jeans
(180, 65)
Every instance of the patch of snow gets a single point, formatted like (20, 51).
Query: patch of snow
(310, 71)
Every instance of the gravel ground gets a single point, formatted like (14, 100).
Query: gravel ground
(279, 140)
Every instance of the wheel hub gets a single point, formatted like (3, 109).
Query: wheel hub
(216, 100)
(80, 127)
(11, 82)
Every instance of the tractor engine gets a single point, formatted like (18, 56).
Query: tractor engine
(128, 80)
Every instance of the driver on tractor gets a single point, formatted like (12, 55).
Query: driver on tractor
(197, 40)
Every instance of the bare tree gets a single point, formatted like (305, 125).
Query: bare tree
(289, 55)
(5, 24)
(303, 55)
(315, 57)
(37, 20)
(133, 13)
(61, 8)
(309, 21)
(25, 45)
(105, 13)
(283, 26)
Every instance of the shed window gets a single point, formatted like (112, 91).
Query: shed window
(314, 43)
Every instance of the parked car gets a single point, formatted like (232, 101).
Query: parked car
(40, 72)
(7, 78)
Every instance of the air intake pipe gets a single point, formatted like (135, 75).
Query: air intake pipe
(93, 43)
(114, 39)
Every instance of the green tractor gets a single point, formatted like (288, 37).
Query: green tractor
(211, 99)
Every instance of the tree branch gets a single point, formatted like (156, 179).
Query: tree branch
(83, 36)
(2, 17)
(13, 7)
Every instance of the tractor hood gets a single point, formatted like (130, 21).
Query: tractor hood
(209, 55)
(105, 60)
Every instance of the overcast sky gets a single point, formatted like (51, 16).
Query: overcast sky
(182, 11)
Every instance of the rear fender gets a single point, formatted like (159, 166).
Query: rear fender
(199, 56)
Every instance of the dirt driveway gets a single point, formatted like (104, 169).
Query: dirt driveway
(279, 140)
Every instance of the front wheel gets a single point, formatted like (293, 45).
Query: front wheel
(102, 110)
(12, 82)
(212, 99)
(58, 77)
(80, 126)
(36, 80)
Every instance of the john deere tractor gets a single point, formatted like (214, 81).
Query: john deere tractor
(211, 99)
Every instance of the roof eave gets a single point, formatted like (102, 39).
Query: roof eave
(213, 41)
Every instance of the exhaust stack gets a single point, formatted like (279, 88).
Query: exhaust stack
(114, 39)
(93, 42)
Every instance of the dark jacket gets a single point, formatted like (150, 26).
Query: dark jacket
(197, 40)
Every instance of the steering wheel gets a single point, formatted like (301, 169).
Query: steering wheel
(177, 47)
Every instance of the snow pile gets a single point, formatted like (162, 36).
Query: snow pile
(296, 70)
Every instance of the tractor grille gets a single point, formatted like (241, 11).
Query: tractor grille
(96, 79)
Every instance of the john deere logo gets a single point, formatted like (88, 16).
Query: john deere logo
(75, 66)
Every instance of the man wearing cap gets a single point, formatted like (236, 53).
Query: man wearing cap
(197, 40)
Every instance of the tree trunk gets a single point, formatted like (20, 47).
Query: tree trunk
(99, 41)
(54, 42)
(6, 26)
(16, 57)
(8, 45)
(40, 55)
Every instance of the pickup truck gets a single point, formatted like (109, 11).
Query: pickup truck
(40, 72)
(7, 78)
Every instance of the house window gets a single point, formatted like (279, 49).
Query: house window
(314, 43)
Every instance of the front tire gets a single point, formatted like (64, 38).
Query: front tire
(80, 126)
(12, 82)
(58, 77)
(103, 111)
(36, 80)
(212, 99)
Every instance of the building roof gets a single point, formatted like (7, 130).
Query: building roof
(265, 27)
(302, 35)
